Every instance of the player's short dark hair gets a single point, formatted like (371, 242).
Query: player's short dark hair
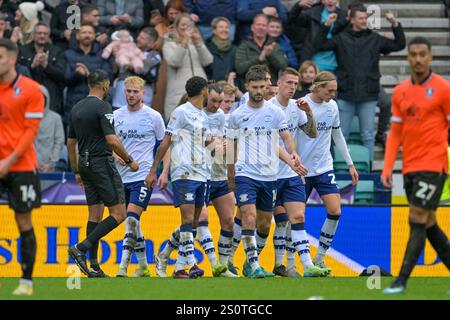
(97, 78)
(420, 40)
(288, 70)
(195, 85)
(262, 67)
(151, 33)
(215, 86)
(255, 75)
(9, 45)
(357, 7)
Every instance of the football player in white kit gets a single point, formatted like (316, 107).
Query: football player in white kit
(218, 192)
(187, 135)
(138, 127)
(290, 205)
(316, 156)
(254, 129)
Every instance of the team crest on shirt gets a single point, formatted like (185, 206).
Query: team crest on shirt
(430, 92)
(243, 197)
(189, 196)
(17, 92)
(268, 118)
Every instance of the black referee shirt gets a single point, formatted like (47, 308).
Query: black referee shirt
(91, 119)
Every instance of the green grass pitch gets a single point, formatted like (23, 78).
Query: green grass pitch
(420, 288)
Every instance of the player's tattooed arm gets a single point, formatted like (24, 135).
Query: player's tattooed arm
(310, 127)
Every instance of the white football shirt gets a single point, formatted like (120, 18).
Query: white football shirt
(257, 131)
(138, 132)
(315, 153)
(189, 129)
(294, 119)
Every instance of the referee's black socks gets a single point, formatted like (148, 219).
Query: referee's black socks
(416, 243)
(440, 243)
(94, 249)
(101, 230)
(28, 253)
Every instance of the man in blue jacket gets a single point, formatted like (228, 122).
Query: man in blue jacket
(83, 59)
(204, 11)
(248, 9)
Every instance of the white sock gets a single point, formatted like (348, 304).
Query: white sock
(261, 240)
(206, 241)
(172, 244)
(140, 248)
(26, 282)
(224, 246)
(301, 244)
(249, 241)
(237, 230)
(290, 250)
(129, 241)
(186, 249)
(326, 236)
(279, 237)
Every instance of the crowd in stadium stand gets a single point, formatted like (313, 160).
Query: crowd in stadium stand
(168, 41)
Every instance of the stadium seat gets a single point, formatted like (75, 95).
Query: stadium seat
(364, 192)
(355, 135)
(360, 157)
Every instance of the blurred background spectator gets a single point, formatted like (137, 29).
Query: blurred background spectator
(25, 19)
(308, 71)
(222, 49)
(60, 33)
(248, 9)
(260, 49)
(186, 56)
(358, 52)
(145, 41)
(204, 11)
(5, 30)
(121, 14)
(275, 31)
(49, 142)
(46, 63)
(81, 60)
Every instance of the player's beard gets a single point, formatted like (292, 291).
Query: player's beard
(256, 98)
(135, 104)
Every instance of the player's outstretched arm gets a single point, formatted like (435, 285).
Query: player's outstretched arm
(392, 146)
(339, 140)
(163, 179)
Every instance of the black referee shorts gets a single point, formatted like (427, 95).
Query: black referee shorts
(424, 188)
(23, 190)
(102, 182)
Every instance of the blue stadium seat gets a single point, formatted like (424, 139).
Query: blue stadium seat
(360, 157)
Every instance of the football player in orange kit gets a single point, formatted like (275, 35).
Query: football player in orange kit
(420, 119)
(21, 111)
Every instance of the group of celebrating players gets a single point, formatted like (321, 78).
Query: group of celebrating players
(256, 155)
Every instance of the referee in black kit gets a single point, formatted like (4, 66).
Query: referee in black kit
(92, 127)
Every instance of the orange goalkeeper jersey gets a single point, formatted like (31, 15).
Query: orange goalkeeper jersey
(21, 111)
(420, 118)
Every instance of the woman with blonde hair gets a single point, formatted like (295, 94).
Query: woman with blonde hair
(308, 71)
(186, 56)
(26, 19)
